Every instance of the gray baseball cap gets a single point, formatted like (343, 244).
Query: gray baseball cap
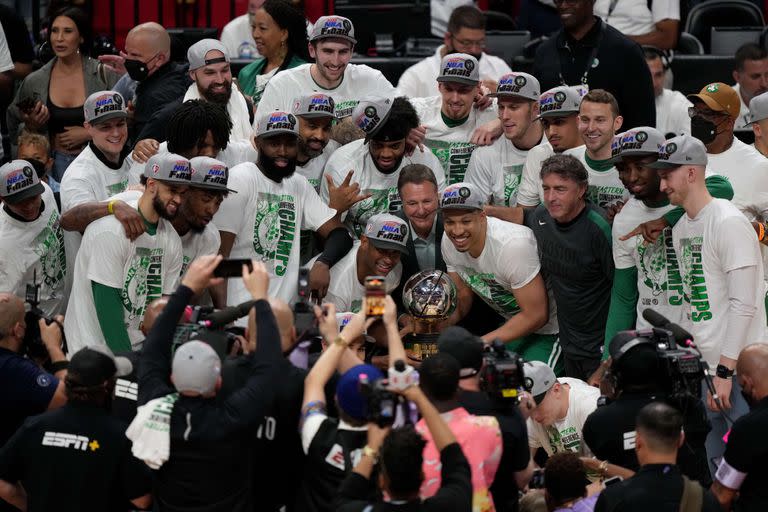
(333, 27)
(518, 85)
(314, 105)
(640, 141)
(210, 174)
(462, 196)
(386, 231)
(758, 109)
(559, 102)
(95, 364)
(169, 168)
(196, 55)
(681, 150)
(461, 68)
(277, 122)
(542, 378)
(196, 367)
(371, 113)
(19, 181)
(104, 105)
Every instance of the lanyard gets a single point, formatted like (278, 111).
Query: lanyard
(590, 61)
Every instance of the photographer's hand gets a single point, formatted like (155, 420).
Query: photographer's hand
(52, 336)
(256, 281)
(199, 274)
(319, 279)
(357, 324)
(326, 322)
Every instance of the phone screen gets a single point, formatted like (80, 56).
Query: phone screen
(375, 293)
(232, 267)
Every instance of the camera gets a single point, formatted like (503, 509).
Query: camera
(303, 312)
(382, 403)
(502, 374)
(33, 343)
(206, 324)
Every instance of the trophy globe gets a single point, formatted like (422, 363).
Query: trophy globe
(429, 297)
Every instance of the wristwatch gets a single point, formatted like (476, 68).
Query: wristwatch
(723, 372)
(370, 452)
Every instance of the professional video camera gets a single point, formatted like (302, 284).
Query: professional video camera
(303, 311)
(205, 323)
(502, 374)
(33, 343)
(383, 404)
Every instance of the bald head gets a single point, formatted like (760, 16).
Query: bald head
(151, 313)
(150, 44)
(752, 371)
(11, 316)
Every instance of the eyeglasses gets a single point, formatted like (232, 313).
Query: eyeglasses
(709, 115)
(469, 43)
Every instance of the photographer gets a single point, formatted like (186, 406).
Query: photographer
(401, 454)
(27, 389)
(515, 464)
(638, 379)
(201, 457)
(76, 457)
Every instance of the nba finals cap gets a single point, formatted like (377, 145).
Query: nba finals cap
(559, 102)
(196, 367)
(333, 26)
(518, 85)
(196, 55)
(169, 168)
(461, 68)
(371, 113)
(542, 379)
(19, 181)
(640, 141)
(719, 97)
(314, 105)
(386, 231)
(104, 105)
(348, 393)
(461, 196)
(681, 150)
(758, 109)
(276, 123)
(92, 365)
(210, 174)
(464, 346)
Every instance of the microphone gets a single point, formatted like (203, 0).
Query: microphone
(682, 337)
(227, 315)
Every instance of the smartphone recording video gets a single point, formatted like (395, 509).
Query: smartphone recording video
(232, 267)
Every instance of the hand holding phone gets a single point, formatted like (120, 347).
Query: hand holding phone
(232, 267)
(375, 294)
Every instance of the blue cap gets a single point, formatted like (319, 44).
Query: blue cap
(350, 398)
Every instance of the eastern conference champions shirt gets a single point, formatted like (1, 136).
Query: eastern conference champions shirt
(266, 218)
(448, 141)
(385, 197)
(605, 188)
(37, 247)
(497, 171)
(143, 270)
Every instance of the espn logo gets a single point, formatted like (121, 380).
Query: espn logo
(126, 389)
(630, 440)
(61, 440)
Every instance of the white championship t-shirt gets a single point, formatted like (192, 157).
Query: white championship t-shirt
(451, 145)
(144, 270)
(313, 171)
(497, 171)
(359, 81)
(345, 291)
(385, 198)
(633, 18)
(605, 188)
(509, 261)
(35, 249)
(266, 218)
(672, 113)
(237, 36)
(530, 192)
(718, 240)
(194, 245)
(565, 435)
(743, 118)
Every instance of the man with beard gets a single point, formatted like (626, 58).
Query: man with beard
(466, 34)
(262, 221)
(331, 44)
(451, 118)
(496, 170)
(751, 77)
(377, 159)
(116, 278)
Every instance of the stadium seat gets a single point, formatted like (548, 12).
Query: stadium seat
(688, 44)
(506, 45)
(721, 13)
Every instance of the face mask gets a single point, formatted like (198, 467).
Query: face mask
(702, 129)
(136, 69)
(38, 166)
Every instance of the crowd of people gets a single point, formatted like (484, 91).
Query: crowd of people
(203, 278)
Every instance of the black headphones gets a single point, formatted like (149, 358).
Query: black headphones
(664, 56)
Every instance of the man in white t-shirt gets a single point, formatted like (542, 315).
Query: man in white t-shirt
(647, 22)
(558, 112)
(451, 118)
(671, 106)
(31, 240)
(758, 120)
(499, 262)
(330, 44)
(751, 77)
(377, 159)
(558, 409)
(497, 169)
(722, 274)
(377, 254)
(466, 34)
(273, 203)
(115, 279)
(237, 35)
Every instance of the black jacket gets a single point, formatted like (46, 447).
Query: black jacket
(621, 70)
(166, 85)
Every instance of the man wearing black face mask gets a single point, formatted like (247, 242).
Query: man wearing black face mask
(262, 221)
(742, 470)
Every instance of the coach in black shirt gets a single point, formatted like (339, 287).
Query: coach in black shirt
(588, 51)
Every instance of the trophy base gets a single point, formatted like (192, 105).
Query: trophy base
(420, 346)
